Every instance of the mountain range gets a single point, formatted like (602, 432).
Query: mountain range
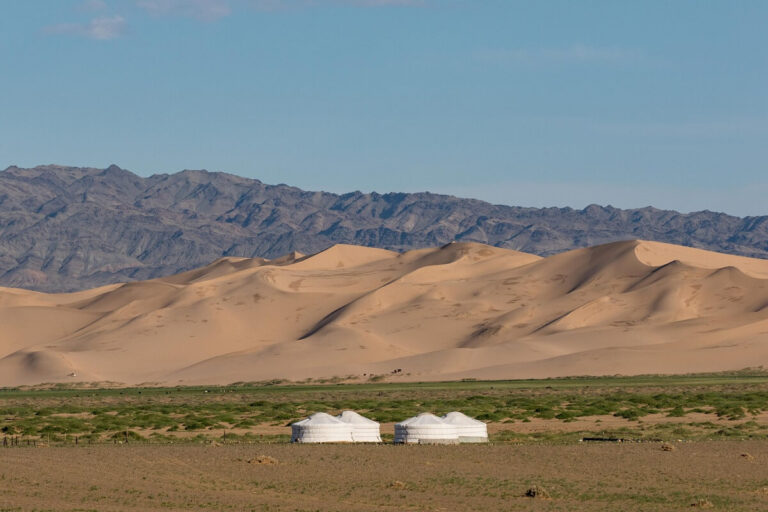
(70, 228)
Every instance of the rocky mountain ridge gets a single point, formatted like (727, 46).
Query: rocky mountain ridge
(68, 228)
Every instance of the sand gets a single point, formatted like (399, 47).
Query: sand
(459, 311)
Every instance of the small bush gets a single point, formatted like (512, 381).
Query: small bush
(677, 412)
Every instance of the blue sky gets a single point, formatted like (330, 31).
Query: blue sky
(540, 103)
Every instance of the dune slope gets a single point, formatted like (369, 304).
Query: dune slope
(463, 310)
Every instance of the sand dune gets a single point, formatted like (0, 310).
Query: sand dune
(458, 311)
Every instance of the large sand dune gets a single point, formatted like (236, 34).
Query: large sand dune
(459, 311)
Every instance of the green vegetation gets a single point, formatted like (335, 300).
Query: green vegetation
(231, 413)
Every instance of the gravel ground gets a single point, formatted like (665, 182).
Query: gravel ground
(717, 475)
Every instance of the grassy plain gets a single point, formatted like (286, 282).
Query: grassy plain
(226, 448)
(646, 407)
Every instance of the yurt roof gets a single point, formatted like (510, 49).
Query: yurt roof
(355, 418)
(458, 418)
(424, 418)
(320, 418)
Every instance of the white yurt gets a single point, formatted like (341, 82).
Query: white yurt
(364, 430)
(425, 428)
(469, 429)
(321, 428)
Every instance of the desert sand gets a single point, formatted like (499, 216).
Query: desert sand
(463, 310)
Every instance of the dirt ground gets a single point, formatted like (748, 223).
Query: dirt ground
(718, 475)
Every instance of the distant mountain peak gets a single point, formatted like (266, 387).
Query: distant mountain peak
(114, 169)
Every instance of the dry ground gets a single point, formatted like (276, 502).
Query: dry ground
(630, 476)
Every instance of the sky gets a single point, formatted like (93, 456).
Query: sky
(531, 103)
